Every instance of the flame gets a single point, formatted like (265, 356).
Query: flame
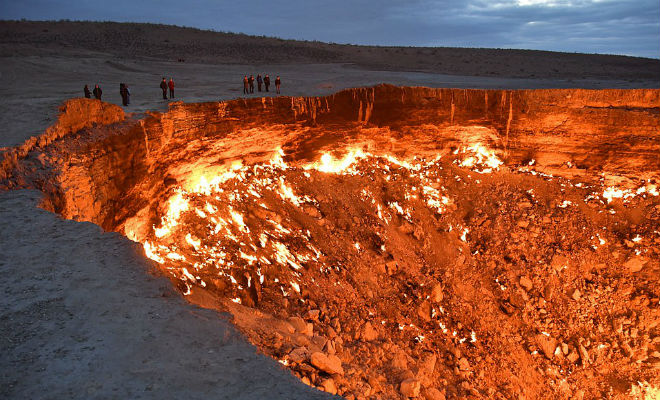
(481, 158)
(329, 165)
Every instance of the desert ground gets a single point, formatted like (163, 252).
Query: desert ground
(84, 313)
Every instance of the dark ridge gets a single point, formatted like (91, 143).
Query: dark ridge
(174, 43)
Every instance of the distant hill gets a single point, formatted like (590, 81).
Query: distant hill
(173, 43)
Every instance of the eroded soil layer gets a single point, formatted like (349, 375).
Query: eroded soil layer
(394, 242)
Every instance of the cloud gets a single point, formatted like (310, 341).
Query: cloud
(627, 27)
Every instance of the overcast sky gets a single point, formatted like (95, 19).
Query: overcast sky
(630, 27)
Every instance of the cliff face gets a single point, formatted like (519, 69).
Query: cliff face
(104, 168)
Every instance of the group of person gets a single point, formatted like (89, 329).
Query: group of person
(124, 91)
(97, 92)
(164, 85)
(248, 83)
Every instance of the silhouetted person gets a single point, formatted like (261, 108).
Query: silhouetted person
(266, 81)
(246, 85)
(278, 82)
(259, 82)
(88, 94)
(97, 92)
(124, 94)
(128, 94)
(170, 84)
(163, 86)
(251, 82)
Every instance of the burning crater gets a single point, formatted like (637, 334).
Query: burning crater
(394, 242)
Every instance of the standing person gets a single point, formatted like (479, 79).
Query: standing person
(163, 86)
(266, 81)
(278, 82)
(88, 94)
(97, 92)
(171, 86)
(124, 94)
(245, 85)
(128, 95)
(251, 82)
(259, 82)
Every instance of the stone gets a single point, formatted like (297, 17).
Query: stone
(463, 364)
(584, 355)
(424, 311)
(576, 295)
(635, 264)
(399, 361)
(410, 388)
(299, 324)
(436, 293)
(426, 368)
(433, 394)
(547, 345)
(299, 354)
(526, 283)
(330, 364)
(330, 347)
(329, 386)
(391, 267)
(518, 298)
(369, 333)
(312, 315)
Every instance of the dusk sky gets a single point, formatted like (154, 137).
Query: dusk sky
(630, 27)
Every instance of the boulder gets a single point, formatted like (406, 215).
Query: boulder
(330, 364)
(410, 388)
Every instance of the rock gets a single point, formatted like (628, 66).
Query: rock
(523, 224)
(298, 324)
(301, 326)
(312, 212)
(526, 283)
(368, 332)
(426, 368)
(576, 295)
(573, 357)
(399, 361)
(518, 298)
(436, 293)
(299, 355)
(330, 347)
(463, 364)
(433, 394)
(635, 264)
(584, 355)
(424, 311)
(329, 386)
(391, 267)
(547, 345)
(319, 340)
(312, 315)
(410, 388)
(330, 364)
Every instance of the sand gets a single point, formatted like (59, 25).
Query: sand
(83, 315)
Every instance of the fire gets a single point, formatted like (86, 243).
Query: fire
(329, 165)
(208, 227)
(480, 159)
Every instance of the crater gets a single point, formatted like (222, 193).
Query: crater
(392, 242)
